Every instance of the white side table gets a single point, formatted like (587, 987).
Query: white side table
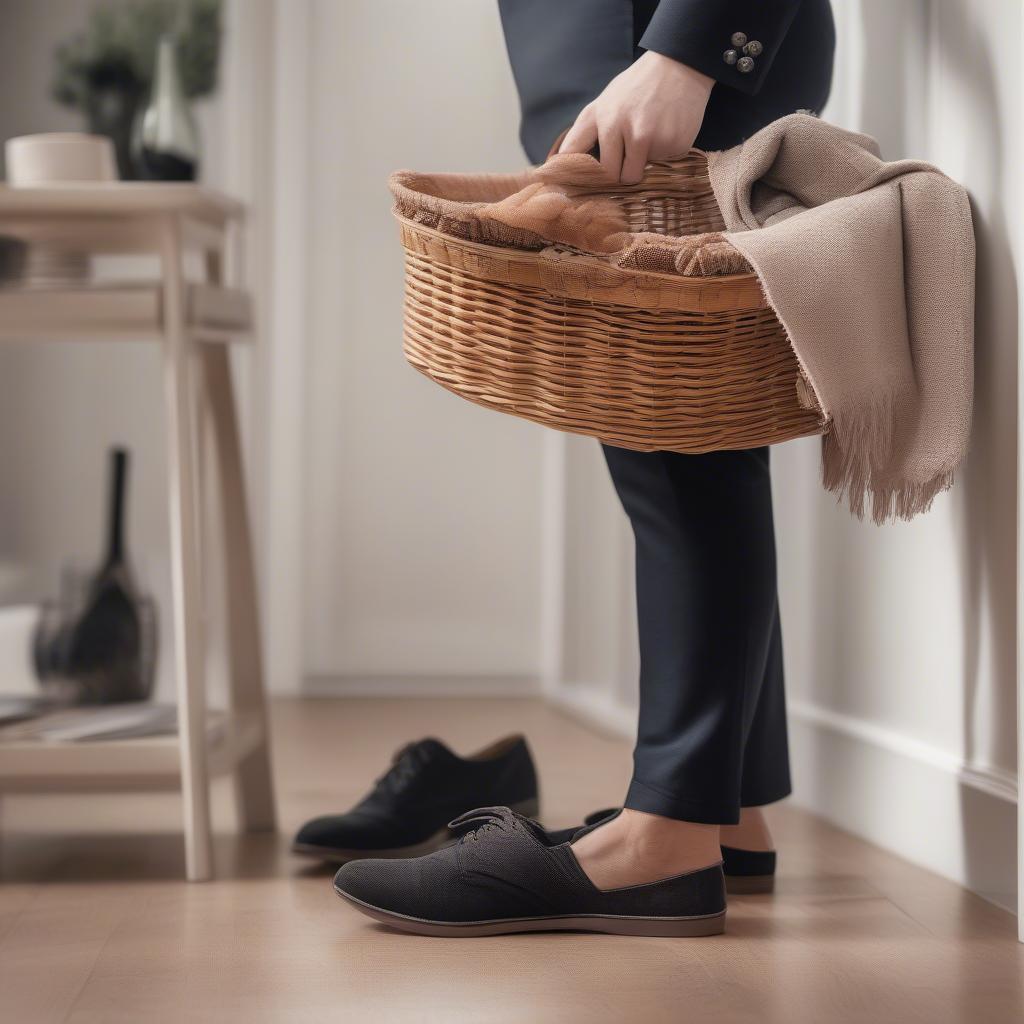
(193, 322)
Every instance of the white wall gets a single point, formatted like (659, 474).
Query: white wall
(902, 639)
(421, 513)
(399, 530)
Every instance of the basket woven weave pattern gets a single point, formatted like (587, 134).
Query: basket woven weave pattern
(674, 198)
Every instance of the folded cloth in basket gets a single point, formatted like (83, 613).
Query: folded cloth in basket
(869, 266)
(556, 205)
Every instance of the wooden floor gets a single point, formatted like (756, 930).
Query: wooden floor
(96, 926)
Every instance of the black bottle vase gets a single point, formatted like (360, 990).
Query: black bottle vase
(166, 141)
(104, 650)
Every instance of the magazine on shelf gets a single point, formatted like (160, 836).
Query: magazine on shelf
(132, 720)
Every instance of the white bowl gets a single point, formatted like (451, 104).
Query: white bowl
(57, 158)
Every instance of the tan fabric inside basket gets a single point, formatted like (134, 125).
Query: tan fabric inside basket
(565, 202)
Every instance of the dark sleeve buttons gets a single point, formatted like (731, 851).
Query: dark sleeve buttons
(742, 53)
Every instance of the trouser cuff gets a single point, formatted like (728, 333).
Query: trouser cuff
(642, 797)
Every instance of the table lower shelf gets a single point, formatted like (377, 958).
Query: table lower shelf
(151, 763)
(111, 312)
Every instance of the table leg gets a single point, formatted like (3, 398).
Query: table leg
(254, 790)
(189, 651)
(253, 780)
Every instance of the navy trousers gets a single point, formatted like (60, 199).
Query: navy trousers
(712, 728)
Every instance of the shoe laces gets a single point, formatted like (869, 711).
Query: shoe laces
(502, 819)
(406, 764)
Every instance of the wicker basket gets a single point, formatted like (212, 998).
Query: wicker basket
(648, 361)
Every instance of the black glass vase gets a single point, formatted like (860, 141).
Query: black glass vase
(165, 146)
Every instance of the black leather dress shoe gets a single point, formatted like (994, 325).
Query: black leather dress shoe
(746, 871)
(406, 814)
(504, 874)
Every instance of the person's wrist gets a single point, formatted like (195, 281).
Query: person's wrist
(669, 67)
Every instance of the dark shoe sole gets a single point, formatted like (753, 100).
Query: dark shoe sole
(665, 927)
(438, 841)
(748, 885)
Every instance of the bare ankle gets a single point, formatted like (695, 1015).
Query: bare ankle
(654, 835)
(752, 832)
(637, 848)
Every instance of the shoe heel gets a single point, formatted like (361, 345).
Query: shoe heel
(528, 808)
(707, 926)
(748, 885)
(688, 927)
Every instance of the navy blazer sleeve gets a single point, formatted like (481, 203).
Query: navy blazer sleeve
(732, 41)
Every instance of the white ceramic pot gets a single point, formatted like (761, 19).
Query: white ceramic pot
(59, 158)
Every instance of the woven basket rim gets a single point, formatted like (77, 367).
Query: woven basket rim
(567, 254)
(544, 267)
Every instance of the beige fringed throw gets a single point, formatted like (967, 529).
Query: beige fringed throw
(870, 268)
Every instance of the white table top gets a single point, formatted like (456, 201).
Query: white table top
(119, 198)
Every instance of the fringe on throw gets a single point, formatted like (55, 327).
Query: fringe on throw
(854, 454)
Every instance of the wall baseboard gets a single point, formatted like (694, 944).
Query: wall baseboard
(908, 797)
(420, 686)
(997, 782)
(598, 710)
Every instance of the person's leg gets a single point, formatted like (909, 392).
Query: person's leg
(708, 615)
(765, 756)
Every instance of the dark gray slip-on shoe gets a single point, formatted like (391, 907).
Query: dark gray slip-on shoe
(746, 871)
(505, 874)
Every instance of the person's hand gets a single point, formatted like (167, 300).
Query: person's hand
(650, 111)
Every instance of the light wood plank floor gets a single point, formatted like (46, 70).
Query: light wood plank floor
(95, 925)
